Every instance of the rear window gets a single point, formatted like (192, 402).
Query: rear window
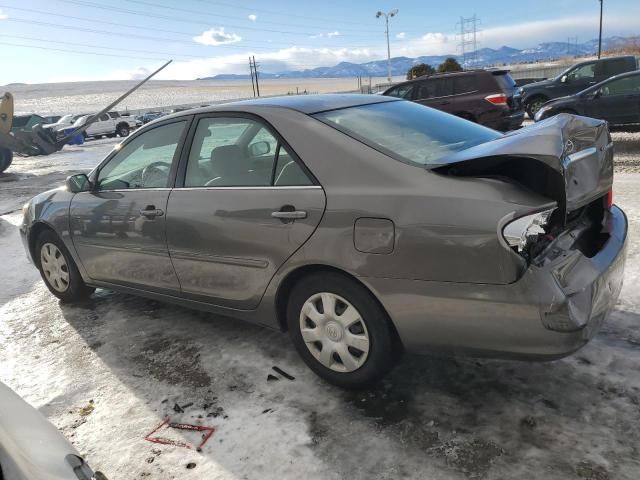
(407, 131)
(505, 81)
(19, 122)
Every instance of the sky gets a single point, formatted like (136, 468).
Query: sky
(73, 40)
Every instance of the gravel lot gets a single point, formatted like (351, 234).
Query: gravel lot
(107, 372)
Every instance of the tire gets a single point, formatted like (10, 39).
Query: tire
(357, 356)
(123, 130)
(6, 157)
(50, 248)
(534, 104)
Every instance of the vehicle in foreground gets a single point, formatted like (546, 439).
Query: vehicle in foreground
(573, 80)
(31, 448)
(616, 100)
(363, 224)
(487, 97)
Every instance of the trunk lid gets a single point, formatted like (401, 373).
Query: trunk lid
(567, 158)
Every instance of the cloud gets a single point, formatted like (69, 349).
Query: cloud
(253, 17)
(401, 35)
(326, 35)
(3, 16)
(217, 36)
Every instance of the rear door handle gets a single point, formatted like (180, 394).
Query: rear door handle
(151, 212)
(292, 215)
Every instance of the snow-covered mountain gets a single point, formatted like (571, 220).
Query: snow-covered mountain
(483, 57)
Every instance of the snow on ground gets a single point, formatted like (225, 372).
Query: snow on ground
(107, 372)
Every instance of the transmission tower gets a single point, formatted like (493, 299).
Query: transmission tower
(468, 36)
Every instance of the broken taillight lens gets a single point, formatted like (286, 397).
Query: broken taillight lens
(523, 231)
(497, 99)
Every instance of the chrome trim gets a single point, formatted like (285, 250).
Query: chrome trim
(158, 252)
(587, 152)
(205, 257)
(154, 189)
(305, 187)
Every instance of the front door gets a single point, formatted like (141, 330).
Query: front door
(246, 204)
(118, 228)
(617, 102)
(577, 80)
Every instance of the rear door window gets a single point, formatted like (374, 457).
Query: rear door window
(403, 91)
(622, 86)
(609, 68)
(434, 88)
(465, 84)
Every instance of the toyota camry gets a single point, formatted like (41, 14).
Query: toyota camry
(363, 225)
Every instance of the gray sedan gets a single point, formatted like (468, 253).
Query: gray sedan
(364, 226)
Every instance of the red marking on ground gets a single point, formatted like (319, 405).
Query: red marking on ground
(152, 437)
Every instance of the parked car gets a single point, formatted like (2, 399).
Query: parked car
(489, 98)
(363, 224)
(150, 116)
(109, 124)
(26, 122)
(31, 448)
(616, 100)
(52, 118)
(573, 80)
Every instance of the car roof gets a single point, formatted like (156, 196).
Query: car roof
(308, 104)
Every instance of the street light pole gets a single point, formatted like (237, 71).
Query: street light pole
(600, 36)
(388, 15)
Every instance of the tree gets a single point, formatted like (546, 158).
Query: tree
(420, 70)
(449, 65)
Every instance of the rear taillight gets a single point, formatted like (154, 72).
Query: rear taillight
(608, 200)
(497, 99)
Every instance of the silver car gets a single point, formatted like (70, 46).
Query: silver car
(364, 225)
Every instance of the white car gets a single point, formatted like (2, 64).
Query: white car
(108, 124)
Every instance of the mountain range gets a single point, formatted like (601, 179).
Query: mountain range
(483, 57)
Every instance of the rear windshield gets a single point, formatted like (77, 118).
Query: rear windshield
(505, 81)
(407, 131)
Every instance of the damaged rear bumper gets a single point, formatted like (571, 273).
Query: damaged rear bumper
(554, 309)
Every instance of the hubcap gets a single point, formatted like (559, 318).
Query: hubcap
(55, 268)
(334, 332)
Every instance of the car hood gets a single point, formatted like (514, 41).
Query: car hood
(31, 447)
(541, 83)
(576, 150)
(568, 100)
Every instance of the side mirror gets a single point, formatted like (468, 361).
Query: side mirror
(259, 148)
(78, 183)
(564, 78)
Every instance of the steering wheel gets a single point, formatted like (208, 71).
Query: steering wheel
(153, 173)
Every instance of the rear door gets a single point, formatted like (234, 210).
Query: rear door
(436, 93)
(242, 205)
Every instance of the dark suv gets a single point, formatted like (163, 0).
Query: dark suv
(573, 80)
(487, 97)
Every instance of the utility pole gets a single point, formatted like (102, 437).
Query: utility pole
(468, 36)
(253, 67)
(388, 15)
(600, 36)
(251, 70)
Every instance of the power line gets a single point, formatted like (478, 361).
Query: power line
(76, 51)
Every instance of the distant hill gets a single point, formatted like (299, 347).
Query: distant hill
(484, 57)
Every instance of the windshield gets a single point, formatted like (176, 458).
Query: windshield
(66, 119)
(407, 131)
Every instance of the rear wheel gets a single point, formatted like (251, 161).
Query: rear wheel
(58, 270)
(123, 130)
(534, 105)
(6, 157)
(340, 330)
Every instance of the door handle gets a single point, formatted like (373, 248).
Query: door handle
(151, 212)
(289, 215)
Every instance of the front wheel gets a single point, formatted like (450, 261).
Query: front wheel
(340, 330)
(534, 105)
(6, 157)
(58, 270)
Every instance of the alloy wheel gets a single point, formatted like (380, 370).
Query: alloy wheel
(334, 332)
(54, 266)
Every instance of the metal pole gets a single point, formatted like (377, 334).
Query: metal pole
(388, 51)
(600, 36)
(252, 84)
(255, 69)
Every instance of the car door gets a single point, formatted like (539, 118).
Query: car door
(437, 93)
(118, 228)
(578, 79)
(242, 205)
(617, 101)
